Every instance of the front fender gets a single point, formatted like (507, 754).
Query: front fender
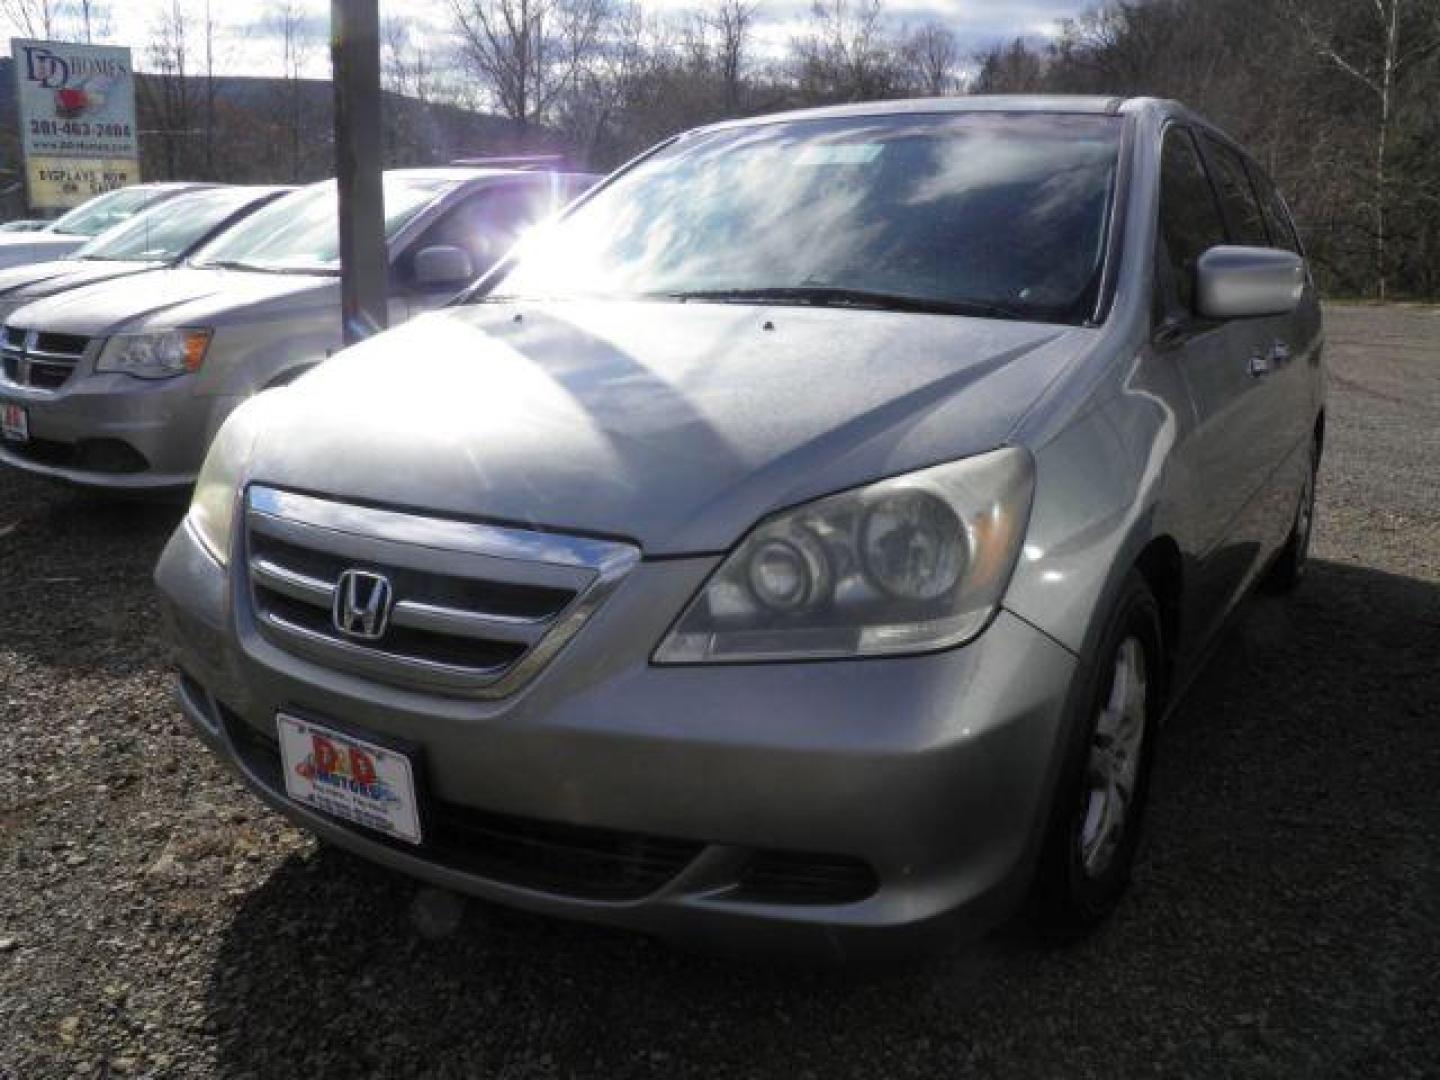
(245, 358)
(1104, 489)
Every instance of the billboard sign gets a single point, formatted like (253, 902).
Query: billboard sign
(77, 120)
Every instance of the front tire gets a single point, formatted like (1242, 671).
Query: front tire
(1096, 820)
(1288, 570)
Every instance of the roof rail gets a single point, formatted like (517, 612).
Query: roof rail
(523, 161)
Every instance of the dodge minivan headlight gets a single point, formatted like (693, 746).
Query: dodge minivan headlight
(912, 564)
(155, 356)
(212, 506)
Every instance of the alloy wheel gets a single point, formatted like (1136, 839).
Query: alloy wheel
(1113, 765)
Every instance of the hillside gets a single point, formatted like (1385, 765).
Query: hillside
(271, 130)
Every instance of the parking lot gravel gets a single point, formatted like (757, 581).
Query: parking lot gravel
(156, 920)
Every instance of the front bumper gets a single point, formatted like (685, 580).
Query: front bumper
(114, 431)
(932, 772)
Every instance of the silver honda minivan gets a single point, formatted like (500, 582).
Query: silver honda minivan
(801, 540)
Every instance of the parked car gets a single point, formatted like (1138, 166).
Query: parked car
(164, 235)
(129, 379)
(802, 540)
(25, 225)
(68, 232)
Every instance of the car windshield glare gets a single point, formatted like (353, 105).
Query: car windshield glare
(300, 233)
(104, 211)
(999, 215)
(167, 231)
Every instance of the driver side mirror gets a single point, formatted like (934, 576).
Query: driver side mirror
(442, 266)
(1241, 282)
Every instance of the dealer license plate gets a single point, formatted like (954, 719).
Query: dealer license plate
(14, 424)
(349, 778)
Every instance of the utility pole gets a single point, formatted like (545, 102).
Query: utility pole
(355, 57)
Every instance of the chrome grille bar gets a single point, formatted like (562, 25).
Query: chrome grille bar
(24, 363)
(477, 610)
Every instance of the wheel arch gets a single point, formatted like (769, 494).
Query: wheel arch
(1163, 569)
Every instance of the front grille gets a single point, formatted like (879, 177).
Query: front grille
(40, 358)
(113, 456)
(471, 609)
(571, 860)
(797, 877)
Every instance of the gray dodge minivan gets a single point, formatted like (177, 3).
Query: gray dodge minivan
(121, 385)
(804, 538)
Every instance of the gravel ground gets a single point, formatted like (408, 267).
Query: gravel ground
(155, 920)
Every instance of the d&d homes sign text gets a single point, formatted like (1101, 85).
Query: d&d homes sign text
(77, 120)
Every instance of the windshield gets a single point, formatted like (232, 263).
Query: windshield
(991, 214)
(300, 233)
(103, 211)
(165, 232)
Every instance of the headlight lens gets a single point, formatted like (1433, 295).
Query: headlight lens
(212, 506)
(913, 564)
(155, 356)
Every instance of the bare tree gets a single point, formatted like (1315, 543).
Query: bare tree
(209, 31)
(405, 65)
(845, 55)
(932, 59)
(632, 49)
(58, 20)
(529, 52)
(409, 128)
(169, 85)
(732, 22)
(1010, 69)
(1404, 33)
(288, 23)
(33, 18)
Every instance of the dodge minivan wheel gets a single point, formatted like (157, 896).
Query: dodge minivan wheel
(1099, 805)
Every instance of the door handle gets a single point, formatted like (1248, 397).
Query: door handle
(1260, 364)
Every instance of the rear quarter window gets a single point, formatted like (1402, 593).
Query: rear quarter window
(1237, 195)
(1277, 215)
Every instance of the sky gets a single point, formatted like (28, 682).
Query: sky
(249, 41)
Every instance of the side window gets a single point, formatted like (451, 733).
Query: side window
(1277, 216)
(1190, 222)
(1237, 195)
(575, 186)
(485, 225)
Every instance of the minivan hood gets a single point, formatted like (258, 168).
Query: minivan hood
(39, 238)
(17, 249)
(676, 425)
(182, 296)
(48, 278)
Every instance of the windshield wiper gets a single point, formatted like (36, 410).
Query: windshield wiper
(838, 296)
(229, 264)
(264, 268)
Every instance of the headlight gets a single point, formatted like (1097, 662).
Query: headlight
(913, 564)
(155, 356)
(212, 506)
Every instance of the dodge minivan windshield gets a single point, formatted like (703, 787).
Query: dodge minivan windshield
(100, 213)
(301, 234)
(997, 215)
(165, 231)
